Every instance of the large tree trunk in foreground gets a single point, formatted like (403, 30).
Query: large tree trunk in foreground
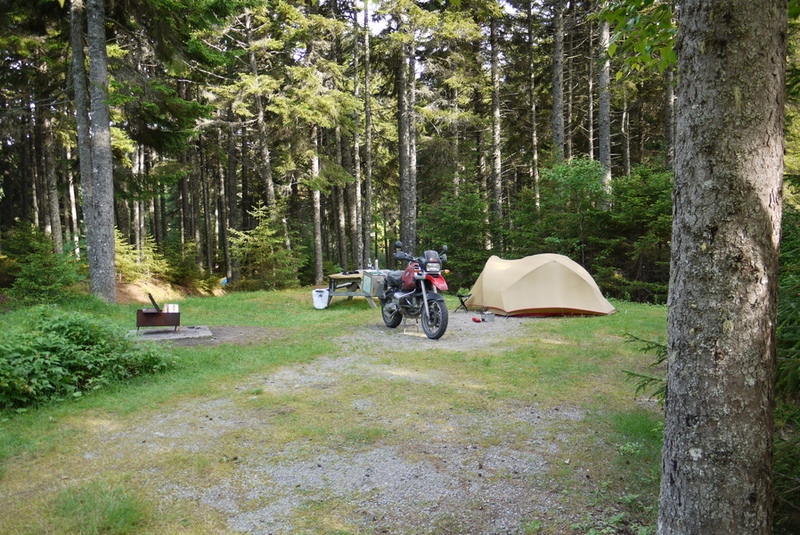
(100, 246)
(716, 465)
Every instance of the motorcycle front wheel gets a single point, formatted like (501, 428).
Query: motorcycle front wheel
(391, 320)
(434, 323)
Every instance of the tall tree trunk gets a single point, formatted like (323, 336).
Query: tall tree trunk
(341, 227)
(265, 167)
(51, 179)
(100, 249)
(534, 163)
(669, 115)
(195, 200)
(625, 128)
(590, 99)
(81, 99)
(569, 85)
(408, 188)
(317, 201)
(559, 6)
(497, 155)
(226, 191)
(208, 214)
(716, 467)
(362, 256)
(367, 136)
(75, 228)
(412, 133)
(605, 103)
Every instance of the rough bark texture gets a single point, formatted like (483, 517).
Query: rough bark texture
(716, 464)
(81, 99)
(534, 166)
(100, 249)
(408, 186)
(497, 155)
(605, 103)
(367, 138)
(558, 79)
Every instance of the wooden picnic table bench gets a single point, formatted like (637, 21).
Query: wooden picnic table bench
(355, 284)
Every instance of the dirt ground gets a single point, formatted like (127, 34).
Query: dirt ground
(431, 470)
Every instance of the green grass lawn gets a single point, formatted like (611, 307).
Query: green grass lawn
(576, 362)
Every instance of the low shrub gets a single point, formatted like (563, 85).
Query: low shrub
(64, 355)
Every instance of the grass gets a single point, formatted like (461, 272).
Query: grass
(99, 508)
(611, 465)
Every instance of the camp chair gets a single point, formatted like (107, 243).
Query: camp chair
(463, 300)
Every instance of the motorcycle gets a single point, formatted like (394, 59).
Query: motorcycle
(413, 292)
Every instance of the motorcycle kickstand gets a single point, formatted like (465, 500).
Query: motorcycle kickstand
(406, 326)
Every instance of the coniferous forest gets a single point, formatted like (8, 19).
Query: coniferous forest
(272, 142)
(267, 143)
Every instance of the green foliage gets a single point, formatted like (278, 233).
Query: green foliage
(787, 416)
(639, 230)
(457, 221)
(639, 442)
(572, 196)
(67, 354)
(183, 265)
(99, 509)
(656, 383)
(645, 31)
(788, 329)
(40, 274)
(787, 469)
(622, 238)
(265, 261)
(133, 265)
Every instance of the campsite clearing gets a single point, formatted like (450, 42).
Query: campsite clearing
(522, 425)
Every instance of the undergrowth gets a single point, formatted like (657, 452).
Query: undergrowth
(57, 355)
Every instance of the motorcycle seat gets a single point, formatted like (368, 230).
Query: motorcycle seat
(393, 278)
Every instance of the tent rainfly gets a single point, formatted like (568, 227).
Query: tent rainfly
(538, 285)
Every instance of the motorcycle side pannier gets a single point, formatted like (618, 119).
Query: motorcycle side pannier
(373, 283)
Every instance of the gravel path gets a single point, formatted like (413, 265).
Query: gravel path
(437, 472)
(439, 480)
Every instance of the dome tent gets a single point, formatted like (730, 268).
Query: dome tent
(542, 285)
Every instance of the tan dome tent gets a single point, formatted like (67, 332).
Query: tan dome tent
(543, 284)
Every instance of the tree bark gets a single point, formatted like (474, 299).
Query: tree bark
(716, 466)
(497, 155)
(51, 179)
(317, 201)
(558, 80)
(358, 237)
(604, 106)
(408, 188)
(534, 164)
(669, 115)
(265, 169)
(367, 136)
(101, 248)
(81, 100)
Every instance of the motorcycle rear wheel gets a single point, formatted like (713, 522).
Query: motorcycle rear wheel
(391, 320)
(434, 323)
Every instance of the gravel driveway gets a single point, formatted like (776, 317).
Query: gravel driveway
(431, 471)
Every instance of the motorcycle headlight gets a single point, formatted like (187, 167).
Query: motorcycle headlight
(434, 267)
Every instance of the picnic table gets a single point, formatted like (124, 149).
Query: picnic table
(359, 283)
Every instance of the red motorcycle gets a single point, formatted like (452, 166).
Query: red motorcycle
(413, 292)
